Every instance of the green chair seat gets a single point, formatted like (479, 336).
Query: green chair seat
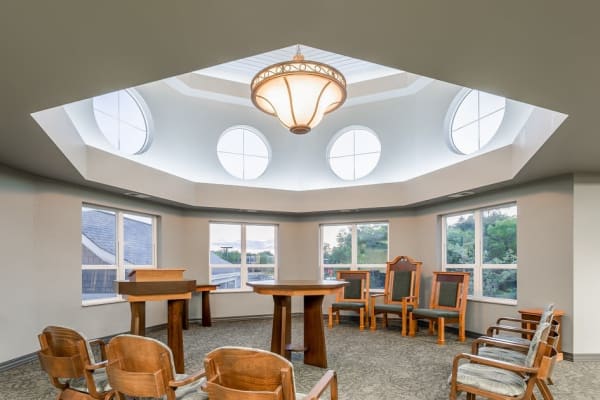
(391, 308)
(434, 313)
(348, 305)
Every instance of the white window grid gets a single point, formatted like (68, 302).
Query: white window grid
(243, 261)
(354, 265)
(120, 266)
(478, 266)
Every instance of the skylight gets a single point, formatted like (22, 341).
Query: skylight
(476, 121)
(243, 153)
(121, 121)
(354, 154)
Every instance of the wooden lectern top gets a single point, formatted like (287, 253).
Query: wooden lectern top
(153, 275)
(156, 284)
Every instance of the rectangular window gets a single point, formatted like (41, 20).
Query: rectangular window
(112, 243)
(241, 253)
(484, 243)
(361, 246)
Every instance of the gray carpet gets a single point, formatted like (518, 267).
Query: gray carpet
(370, 365)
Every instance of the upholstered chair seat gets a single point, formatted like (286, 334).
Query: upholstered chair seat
(496, 379)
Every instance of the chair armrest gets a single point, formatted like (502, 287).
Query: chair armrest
(95, 366)
(519, 320)
(100, 343)
(495, 342)
(492, 363)
(328, 379)
(506, 328)
(186, 381)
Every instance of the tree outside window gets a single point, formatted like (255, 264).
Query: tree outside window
(361, 246)
(484, 243)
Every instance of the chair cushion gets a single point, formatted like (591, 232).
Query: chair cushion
(191, 391)
(491, 379)
(393, 308)
(401, 285)
(498, 353)
(433, 313)
(354, 289)
(100, 379)
(448, 294)
(541, 334)
(348, 305)
(513, 339)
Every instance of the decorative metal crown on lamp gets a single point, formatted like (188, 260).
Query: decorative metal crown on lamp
(298, 92)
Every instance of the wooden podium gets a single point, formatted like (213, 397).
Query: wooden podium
(154, 285)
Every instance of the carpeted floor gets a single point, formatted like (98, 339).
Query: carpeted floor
(378, 365)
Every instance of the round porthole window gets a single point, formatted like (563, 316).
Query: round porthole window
(243, 152)
(354, 153)
(121, 121)
(476, 121)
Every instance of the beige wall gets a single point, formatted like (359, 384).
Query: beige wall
(586, 267)
(41, 250)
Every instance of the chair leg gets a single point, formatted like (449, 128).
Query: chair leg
(412, 326)
(441, 331)
(431, 329)
(373, 318)
(330, 321)
(385, 320)
(461, 330)
(361, 312)
(403, 322)
(337, 317)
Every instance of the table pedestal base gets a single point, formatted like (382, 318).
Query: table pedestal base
(314, 333)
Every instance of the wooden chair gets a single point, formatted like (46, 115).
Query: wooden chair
(354, 297)
(448, 303)
(67, 357)
(401, 291)
(494, 379)
(139, 366)
(511, 329)
(234, 373)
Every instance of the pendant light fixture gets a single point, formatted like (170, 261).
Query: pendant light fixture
(298, 92)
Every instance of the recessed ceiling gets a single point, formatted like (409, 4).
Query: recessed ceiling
(409, 114)
(243, 70)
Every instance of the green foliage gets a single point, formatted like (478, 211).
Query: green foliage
(372, 244)
(233, 257)
(460, 241)
(500, 239)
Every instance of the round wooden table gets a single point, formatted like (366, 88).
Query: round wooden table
(314, 332)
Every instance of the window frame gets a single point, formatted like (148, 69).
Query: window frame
(243, 255)
(354, 155)
(120, 265)
(354, 265)
(478, 266)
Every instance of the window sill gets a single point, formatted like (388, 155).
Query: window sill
(100, 302)
(505, 302)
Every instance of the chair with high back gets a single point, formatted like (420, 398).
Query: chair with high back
(353, 297)
(401, 291)
(139, 366)
(495, 379)
(234, 373)
(448, 303)
(67, 357)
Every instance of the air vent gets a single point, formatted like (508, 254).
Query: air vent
(460, 194)
(138, 195)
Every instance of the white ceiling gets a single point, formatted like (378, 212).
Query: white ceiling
(243, 70)
(533, 52)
